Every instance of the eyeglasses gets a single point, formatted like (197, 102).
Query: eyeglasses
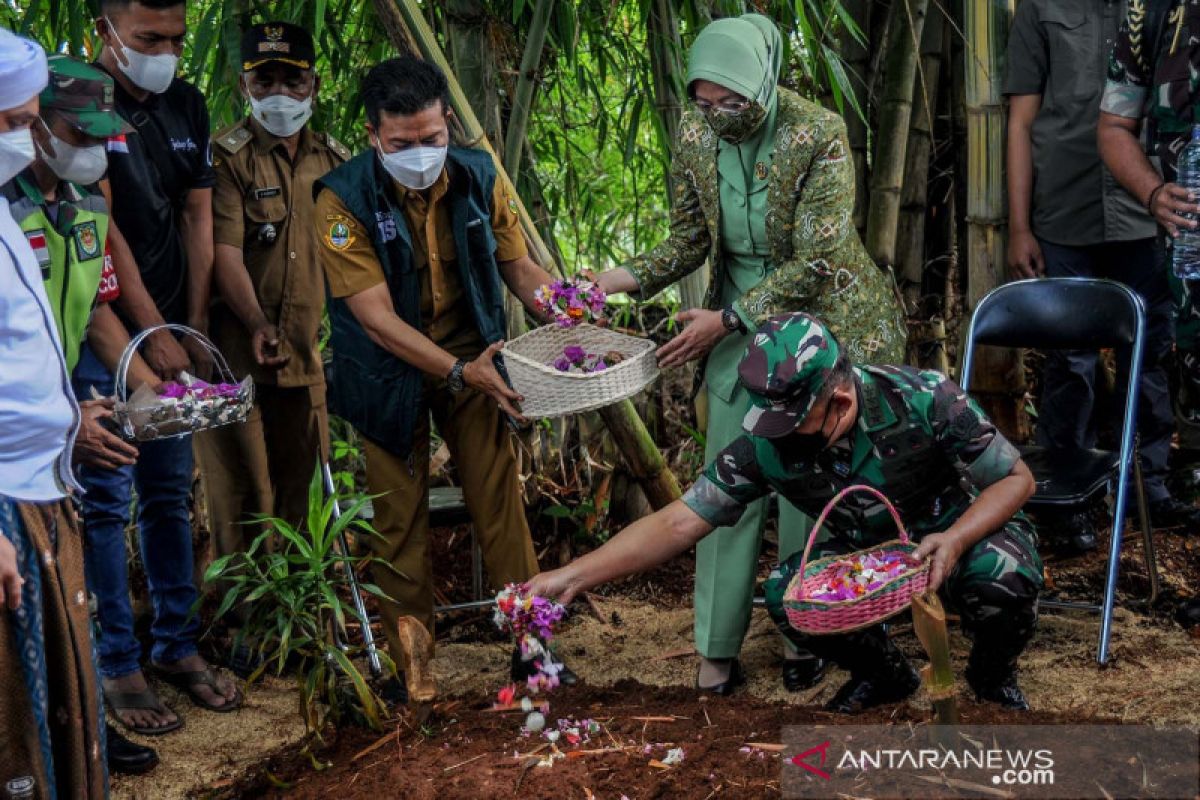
(724, 107)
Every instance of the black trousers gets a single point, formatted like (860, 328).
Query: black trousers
(1066, 415)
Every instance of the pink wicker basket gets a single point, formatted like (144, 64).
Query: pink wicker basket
(809, 615)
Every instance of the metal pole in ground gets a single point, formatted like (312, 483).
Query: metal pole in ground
(361, 607)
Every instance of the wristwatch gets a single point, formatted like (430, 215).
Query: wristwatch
(454, 381)
(732, 321)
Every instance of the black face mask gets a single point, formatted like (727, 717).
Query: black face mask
(816, 441)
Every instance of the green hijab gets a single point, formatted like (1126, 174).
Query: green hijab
(745, 55)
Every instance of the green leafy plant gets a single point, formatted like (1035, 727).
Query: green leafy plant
(293, 595)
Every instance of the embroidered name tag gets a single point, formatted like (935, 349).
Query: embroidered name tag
(269, 191)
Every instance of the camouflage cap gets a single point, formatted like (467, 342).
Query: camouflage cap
(83, 95)
(784, 368)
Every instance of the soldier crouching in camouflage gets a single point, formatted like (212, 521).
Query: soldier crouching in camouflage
(819, 425)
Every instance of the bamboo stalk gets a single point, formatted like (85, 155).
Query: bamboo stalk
(857, 58)
(643, 458)
(929, 623)
(910, 234)
(1001, 379)
(522, 104)
(666, 74)
(406, 16)
(900, 66)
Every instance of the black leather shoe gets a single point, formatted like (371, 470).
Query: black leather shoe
(1189, 613)
(802, 673)
(859, 694)
(394, 691)
(126, 757)
(736, 678)
(1078, 533)
(522, 670)
(1005, 692)
(1171, 513)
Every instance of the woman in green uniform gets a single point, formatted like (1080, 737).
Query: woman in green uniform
(764, 189)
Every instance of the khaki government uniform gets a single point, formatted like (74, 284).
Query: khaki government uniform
(470, 422)
(265, 466)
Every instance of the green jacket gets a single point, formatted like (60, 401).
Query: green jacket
(377, 393)
(817, 263)
(69, 250)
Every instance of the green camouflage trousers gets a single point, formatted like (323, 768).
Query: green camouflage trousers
(994, 587)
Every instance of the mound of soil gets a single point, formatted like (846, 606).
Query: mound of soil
(462, 751)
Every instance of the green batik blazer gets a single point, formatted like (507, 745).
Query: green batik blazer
(817, 262)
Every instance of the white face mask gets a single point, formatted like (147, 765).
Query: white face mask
(16, 153)
(414, 168)
(151, 73)
(82, 165)
(281, 115)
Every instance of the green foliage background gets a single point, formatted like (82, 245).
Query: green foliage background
(599, 144)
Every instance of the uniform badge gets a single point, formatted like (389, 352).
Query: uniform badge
(339, 237)
(87, 240)
(512, 206)
(267, 192)
(760, 170)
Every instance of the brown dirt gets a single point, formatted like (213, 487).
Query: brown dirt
(212, 747)
(646, 635)
(461, 752)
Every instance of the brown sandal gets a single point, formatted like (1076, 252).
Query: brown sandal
(145, 700)
(187, 681)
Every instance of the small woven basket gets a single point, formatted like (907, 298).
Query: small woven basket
(169, 420)
(551, 393)
(809, 615)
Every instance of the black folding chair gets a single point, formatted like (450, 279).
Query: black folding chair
(1076, 314)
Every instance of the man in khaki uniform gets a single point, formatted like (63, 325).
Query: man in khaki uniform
(271, 292)
(418, 240)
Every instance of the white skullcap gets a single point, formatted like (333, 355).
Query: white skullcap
(23, 72)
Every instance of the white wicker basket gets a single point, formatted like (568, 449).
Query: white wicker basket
(159, 420)
(551, 393)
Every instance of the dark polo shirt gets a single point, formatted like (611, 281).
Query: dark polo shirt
(1059, 49)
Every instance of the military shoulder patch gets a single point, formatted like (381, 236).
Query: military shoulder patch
(87, 240)
(338, 236)
(234, 138)
(339, 149)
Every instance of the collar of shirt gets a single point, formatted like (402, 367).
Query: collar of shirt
(425, 199)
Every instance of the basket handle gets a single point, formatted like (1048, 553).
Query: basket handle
(812, 537)
(121, 389)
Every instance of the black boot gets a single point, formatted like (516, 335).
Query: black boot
(737, 677)
(879, 674)
(126, 757)
(802, 673)
(394, 690)
(1188, 614)
(992, 670)
(521, 670)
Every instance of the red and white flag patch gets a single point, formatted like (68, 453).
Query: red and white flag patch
(118, 144)
(37, 242)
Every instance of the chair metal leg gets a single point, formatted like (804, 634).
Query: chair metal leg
(476, 566)
(360, 607)
(1147, 532)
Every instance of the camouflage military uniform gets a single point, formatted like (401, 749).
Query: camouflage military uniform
(920, 441)
(819, 264)
(1153, 75)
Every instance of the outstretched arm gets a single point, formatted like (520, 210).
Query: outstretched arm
(646, 543)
